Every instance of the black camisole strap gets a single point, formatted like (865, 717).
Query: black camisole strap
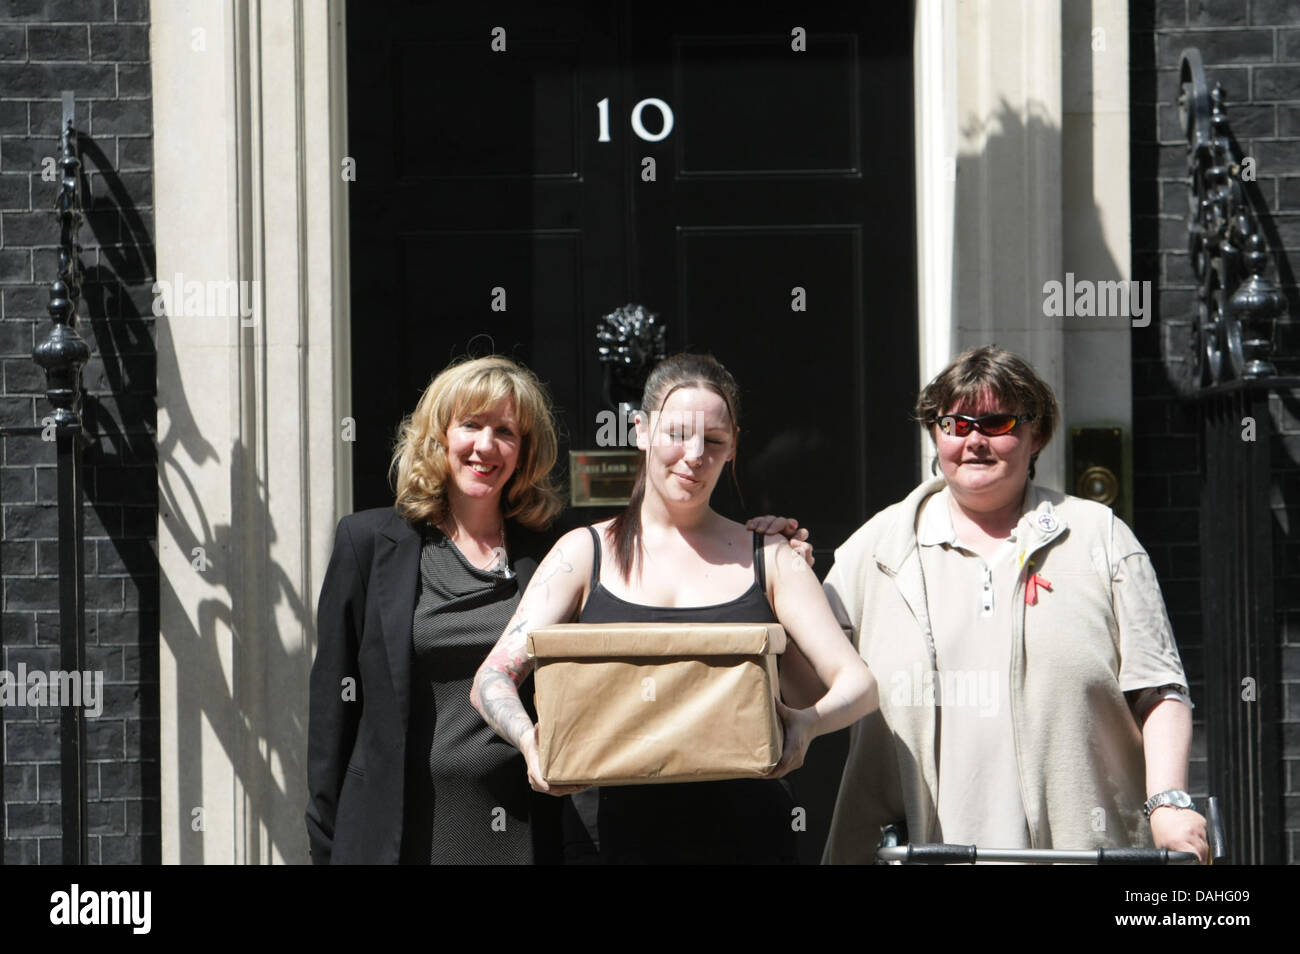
(595, 562)
(760, 571)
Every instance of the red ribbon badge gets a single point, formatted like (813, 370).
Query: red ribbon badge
(1031, 587)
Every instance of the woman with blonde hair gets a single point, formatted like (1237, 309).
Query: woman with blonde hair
(400, 767)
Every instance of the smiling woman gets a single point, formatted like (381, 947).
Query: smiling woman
(482, 451)
(490, 416)
(400, 767)
(482, 448)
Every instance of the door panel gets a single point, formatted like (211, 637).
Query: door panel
(525, 96)
(745, 111)
(800, 454)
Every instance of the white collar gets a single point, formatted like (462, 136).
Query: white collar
(934, 528)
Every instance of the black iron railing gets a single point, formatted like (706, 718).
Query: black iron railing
(63, 354)
(1225, 365)
(1238, 309)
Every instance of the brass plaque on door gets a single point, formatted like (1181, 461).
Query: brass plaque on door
(602, 478)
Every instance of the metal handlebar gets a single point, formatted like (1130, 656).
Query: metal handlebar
(892, 849)
(970, 854)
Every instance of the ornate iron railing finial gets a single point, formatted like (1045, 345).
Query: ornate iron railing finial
(1239, 308)
(64, 353)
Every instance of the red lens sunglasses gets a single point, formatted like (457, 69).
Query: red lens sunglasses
(990, 425)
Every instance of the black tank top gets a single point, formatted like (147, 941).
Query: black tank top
(736, 821)
(752, 606)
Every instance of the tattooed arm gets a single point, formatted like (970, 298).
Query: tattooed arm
(495, 693)
(554, 595)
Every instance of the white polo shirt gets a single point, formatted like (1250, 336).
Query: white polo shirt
(970, 602)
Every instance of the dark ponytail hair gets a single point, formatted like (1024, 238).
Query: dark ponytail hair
(669, 375)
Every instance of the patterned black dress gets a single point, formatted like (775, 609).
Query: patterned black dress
(467, 795)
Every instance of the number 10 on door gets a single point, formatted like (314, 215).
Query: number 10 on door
(638, 127)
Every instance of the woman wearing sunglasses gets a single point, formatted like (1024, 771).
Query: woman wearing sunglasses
(1031, 692)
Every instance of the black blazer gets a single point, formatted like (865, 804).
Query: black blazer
(356, 746)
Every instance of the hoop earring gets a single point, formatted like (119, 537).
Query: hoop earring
(934, 466)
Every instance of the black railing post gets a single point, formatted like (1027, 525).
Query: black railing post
(1242, 705)
(62, 354)
(4, 821)
(1225, 365)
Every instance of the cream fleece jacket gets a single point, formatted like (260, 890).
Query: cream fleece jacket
(1100, 631)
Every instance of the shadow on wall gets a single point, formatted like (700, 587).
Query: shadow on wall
(121, 416)
(992, 200)
(222, 655)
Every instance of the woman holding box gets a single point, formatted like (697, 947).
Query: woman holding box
(1079, 736)
(670, 558)
(400, 768)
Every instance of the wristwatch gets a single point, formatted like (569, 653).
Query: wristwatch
(1174, 797)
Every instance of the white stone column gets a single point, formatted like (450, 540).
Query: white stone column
(250, 125)
(934, 51)
(1098, 232)
(989, 77)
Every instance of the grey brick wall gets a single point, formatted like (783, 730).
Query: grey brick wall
(1253, 48)
(100, 50)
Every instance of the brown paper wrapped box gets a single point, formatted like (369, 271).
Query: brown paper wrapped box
(636, 703)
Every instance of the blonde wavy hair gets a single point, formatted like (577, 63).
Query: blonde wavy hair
(464, 389)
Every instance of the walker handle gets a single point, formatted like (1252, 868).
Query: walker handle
(941, 854)
(1218, 842)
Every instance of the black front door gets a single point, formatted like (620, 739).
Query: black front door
(746, 176)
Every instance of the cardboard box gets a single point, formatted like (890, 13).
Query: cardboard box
(637, 703)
